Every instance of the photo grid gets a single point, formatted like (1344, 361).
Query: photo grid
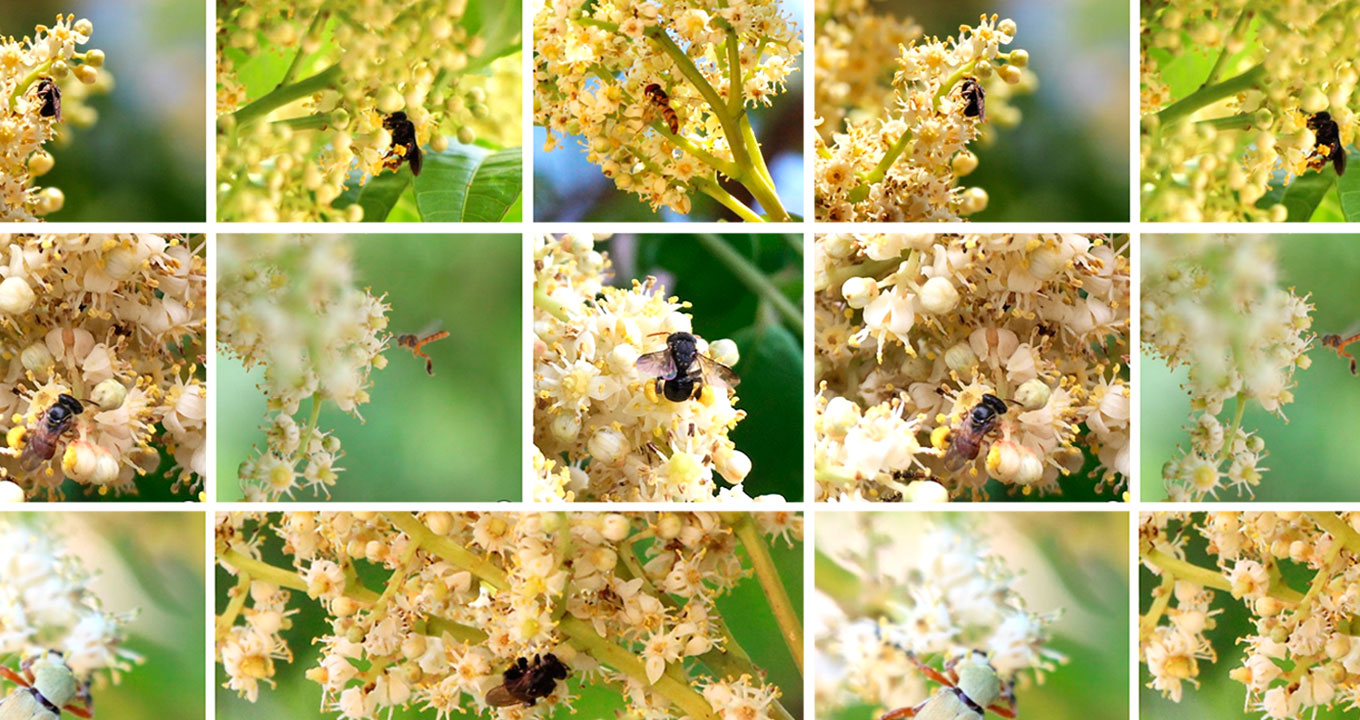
(1030, 400)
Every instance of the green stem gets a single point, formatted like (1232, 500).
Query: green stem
(716, 191)
(700, 83)
(448, 549)
(679, 693)
(305, 439)
(1240, 121)
(751, 276)
(260, 570)
(1230, 438)
(462, 633)
(549, 305)
(1154, 613)
(1337, 528)
(726, 167)
(318, 121)
(1211, 94)
(1191, 572)
(291, 73)
(280, 96)
(763, 189)
(1223, 54)
(784, 613)
(238, 601)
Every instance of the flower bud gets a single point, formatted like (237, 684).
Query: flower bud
(40, 163)
(16, 296)
(925, 491)
(10, 492)
(37, 358)
(964, 163)
(938, 295)
(960, 358)
(608, 446)
(109, 394)
(734, 466)
(1033, 394)
(858, 291)
(839, 416)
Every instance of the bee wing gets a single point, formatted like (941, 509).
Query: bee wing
(718, 374)
(659, 364)
(1339, 160)
(500, 696)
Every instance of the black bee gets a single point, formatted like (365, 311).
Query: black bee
(681, 370)
(971, 91)
(50, 95)
(525, 682)
(966, 439)
(662, 101)
(1328, 135)
(55, 422)
(404, 145)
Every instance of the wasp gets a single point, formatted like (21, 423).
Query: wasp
(404, 145)
(56, 421)
(967, 438)
(415, 342)
(1328, 136)
(50, 95)
(970, 687)
(1339, 343)
(974, 98)
(47, 686)
(681, 370)
(525, 682)
(662, 102)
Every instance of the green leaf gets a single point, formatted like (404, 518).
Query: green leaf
(1300, 197)
(771, 370)
(1348, 188)
(466, 183)
(497, 23)
(377, 196)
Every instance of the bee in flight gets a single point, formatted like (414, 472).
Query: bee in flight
(415, 342)
(404, 145)
(55, 421)
(1339, 343)
(525, 682)
(1328, 136)
(974, 98)
(681, 370)
(47, 687)
(662, 102)
(50, 95)
(966, 439)
(969, 688)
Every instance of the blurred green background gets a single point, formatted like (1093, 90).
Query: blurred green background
(452, 437)
(1311, 454)
(1078, 562)
(771, 366)
(145, 158)
(1218, 696)
(1068, 159)
(296, 697)
(569, 188)
(151, 562)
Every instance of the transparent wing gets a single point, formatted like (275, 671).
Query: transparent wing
(717, 374)
(499, 696)
(659, 364)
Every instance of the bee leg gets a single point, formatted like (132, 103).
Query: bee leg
(899, 713)
(929, 671)
(429, 366)
(80, 712)
(1008, 697)
(697, 392)
(14, 677)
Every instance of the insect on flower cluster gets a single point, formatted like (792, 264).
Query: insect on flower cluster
(629, 403)
(943, 361)
(34, 74)
(894, 152)
(487, 611)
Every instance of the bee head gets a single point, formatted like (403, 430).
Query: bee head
(66, 405)
(996, 405)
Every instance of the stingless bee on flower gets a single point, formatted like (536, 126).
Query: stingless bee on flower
(46, 688)
(966, 438)
(526, 682)
(681, 371)
(41, 442)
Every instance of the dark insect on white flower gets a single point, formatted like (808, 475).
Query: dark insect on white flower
(404, 145)
(46, 688)
(662, 102)
(974, 98)
(1327, 135)
(525, 682)
(965, 440)
(681, 370)
(56, 421)
(47, 91)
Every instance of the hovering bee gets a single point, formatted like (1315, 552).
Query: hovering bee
(404, 145)
(525, 682)
(50, 95)
(970, 687)
(681, 370)
(1328, 137)
(662, 102)
(415, 342)
(47, 686)
(1338, 343)
(55, 422)
(966, 439)
(975, 98)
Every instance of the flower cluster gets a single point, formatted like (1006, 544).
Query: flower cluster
(1303, 653)
(600, 427)
(894, 154)
(621, 600)
(942, 594)
(1213, 303)
(46, 602)
(659, 91)
(290, 303)
(912, 331)
(1212, 154)
(36, 82)
(117, 322)
(288, 154)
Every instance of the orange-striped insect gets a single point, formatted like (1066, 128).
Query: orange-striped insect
(662, 102)
(1338, 343)
(416, 341)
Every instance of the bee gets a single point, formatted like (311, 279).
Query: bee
(415, 342)
(662, 102)
(1328, 136)
(975, 99)
(969, 688)
(47, 686)
(967, 438)
(1339, 343)
(404, 145)
(525, 682)
(681, 370)
(55, 422)
(50, 95)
